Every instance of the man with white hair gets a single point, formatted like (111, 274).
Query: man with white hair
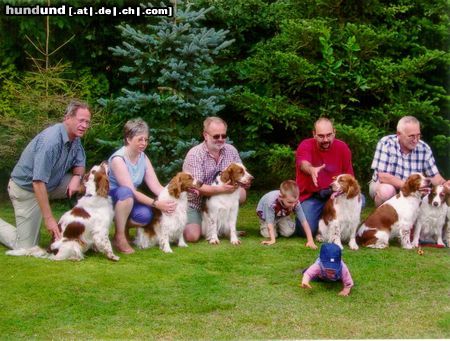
(397, 156)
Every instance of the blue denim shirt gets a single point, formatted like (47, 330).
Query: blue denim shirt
(47, 158)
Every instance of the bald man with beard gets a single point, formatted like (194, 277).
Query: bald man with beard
(318, 160)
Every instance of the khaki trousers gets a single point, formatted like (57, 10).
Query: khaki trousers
(28, 215)
(284, 226)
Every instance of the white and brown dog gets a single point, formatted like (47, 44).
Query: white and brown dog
(166, 228)
(396, 216)
(341, 214)
(86, 225)
(220, 213)
(432, 214)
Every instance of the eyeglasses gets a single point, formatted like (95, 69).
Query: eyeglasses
(83, 121)
(218, 136)
(323, 137)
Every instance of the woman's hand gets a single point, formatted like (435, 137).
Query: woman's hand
(166, 206)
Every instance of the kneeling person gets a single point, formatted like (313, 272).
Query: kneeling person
(274, 210)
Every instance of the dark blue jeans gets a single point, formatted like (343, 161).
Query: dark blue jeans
(313, 207)
(140, 213)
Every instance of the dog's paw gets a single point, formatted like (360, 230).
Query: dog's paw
(167, 250)
(214, 241)
(353, 245)
(113, 257)
(182, 244)
(319, 238)
(235, 241)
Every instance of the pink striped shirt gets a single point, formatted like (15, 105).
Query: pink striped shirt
(203, 166)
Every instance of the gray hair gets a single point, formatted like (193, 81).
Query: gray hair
(406, 120)
(207, 122)
(134, 127)
(73, 107)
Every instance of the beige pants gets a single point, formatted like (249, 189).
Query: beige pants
(284, 226)
(28, 215)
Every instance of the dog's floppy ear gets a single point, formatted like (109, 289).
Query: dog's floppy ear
(175, 186)
(102, 184)
(105, 166)
(82, 189)
(225, 176)
(353, 189)
(411, 185)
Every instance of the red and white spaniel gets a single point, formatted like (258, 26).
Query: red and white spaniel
(446, 232)
(342, 211)
(86, 225)
(221, 211)
(431, 220)
(165, 228)
(395, 217)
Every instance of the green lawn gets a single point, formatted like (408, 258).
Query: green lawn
(224, 292)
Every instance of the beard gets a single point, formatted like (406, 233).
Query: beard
(324, 145)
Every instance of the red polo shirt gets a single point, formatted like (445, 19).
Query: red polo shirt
(337, 160)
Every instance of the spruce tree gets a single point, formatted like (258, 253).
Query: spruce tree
(170, 64)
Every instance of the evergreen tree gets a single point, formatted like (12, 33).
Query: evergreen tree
(171, 68)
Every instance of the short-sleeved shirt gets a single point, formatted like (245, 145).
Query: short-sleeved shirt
(337, 160)
(389, 158)
(203, 166)
(47, 158)
(271, 210)
(136, 171)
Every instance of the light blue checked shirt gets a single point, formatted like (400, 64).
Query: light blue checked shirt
(47, 158)
(388, 158)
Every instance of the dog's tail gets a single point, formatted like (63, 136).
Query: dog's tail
(34, 251)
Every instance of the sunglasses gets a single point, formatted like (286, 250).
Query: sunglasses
(218, 136)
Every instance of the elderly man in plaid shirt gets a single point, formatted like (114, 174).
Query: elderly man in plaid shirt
(204, 161)
(399, 155)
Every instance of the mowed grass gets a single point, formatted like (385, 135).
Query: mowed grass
(224, 292)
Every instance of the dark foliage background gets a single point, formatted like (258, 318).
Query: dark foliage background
(285, 63)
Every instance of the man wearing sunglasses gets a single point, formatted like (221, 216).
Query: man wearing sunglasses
(399, 155)
(318, 160)
(204, 162)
